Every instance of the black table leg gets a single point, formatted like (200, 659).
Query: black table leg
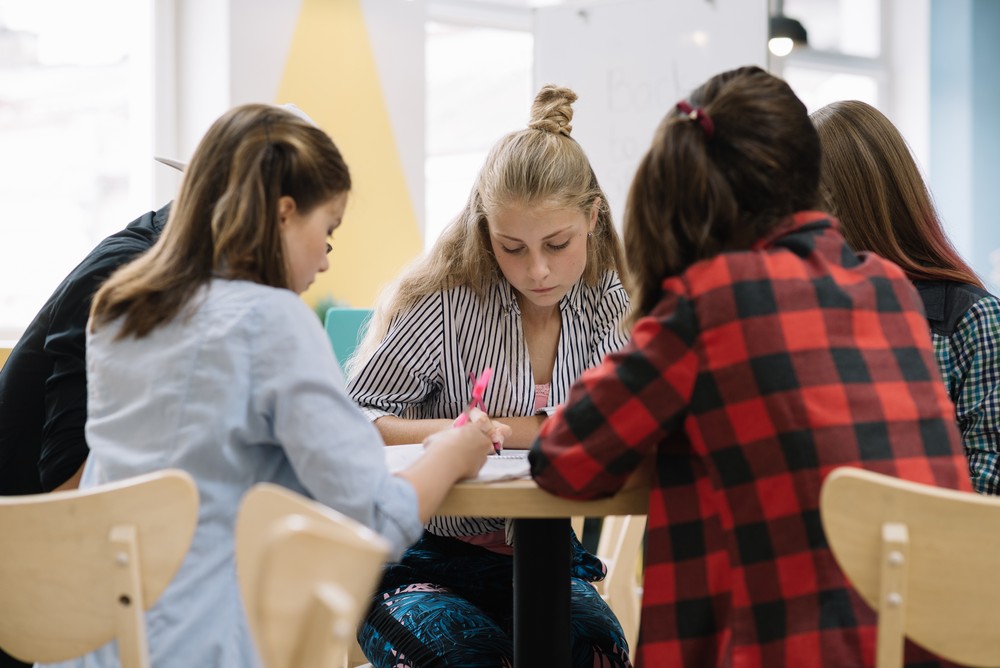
(541, 593)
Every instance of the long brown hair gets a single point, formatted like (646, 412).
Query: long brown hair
(542, 165)
(225, 221)
(870, 181)
(704, 188)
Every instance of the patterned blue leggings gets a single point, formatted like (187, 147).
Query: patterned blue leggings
(449, 603)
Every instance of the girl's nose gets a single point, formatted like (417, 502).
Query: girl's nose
(539, 268)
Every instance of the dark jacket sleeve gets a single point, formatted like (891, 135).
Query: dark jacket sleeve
(63, 447)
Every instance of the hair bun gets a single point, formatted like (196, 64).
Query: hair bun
(552, 110)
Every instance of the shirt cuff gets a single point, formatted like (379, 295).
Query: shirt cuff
(374, 413)
(397, 516)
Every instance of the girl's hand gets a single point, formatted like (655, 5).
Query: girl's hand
(465, 448)
(496, 431)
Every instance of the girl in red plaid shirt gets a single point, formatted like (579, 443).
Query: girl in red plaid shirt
(765, 353)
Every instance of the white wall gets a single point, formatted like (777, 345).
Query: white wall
(907, 31)
(396, 31)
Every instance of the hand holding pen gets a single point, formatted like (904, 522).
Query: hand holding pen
(476, 402)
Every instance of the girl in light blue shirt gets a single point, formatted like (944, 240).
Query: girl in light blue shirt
(201, 356)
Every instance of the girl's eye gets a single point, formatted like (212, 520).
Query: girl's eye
(559, 246)
(512, 251)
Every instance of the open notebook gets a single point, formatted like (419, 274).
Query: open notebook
(510, 465)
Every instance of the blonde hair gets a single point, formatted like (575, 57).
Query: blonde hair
(540, 165)
(225, 220)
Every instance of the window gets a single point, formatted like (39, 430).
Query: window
(844, 59)
(818, 87)
(850, 27)
(64, 114)
(479, 88)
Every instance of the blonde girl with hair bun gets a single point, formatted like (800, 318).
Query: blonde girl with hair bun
(525, 281)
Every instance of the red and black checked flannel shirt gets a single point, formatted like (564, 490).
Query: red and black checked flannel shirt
(756, 375)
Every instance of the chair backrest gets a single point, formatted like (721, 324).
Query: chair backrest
(79, 567)
(306, 574)
(619, 548)
(923, 558)
(346, 327)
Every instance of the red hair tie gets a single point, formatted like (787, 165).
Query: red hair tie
(697, 114)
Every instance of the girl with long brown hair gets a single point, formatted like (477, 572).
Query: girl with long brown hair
(871, 182)
(202, 356)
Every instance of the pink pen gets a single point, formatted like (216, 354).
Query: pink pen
(478, 390)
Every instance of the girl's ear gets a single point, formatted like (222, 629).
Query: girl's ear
(286, 208)
(595, 210)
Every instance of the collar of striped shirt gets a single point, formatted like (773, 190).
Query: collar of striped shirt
(572, 300)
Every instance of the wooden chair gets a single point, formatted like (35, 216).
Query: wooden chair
(306, 574)
(346, 327)
(80, 567)
(619, 547)
(923, 558)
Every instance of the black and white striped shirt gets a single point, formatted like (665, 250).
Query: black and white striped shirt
(421, 368)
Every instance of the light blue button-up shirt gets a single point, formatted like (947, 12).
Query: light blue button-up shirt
(244, 388)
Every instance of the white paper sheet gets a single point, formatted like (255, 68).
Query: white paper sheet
(510, 465)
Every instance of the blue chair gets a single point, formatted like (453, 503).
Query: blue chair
(346, 327)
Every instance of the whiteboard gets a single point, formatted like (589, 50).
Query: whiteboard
(631, 61)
